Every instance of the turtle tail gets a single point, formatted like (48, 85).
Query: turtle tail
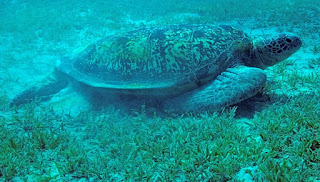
(53, 84)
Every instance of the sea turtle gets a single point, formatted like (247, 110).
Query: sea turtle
(186, 67)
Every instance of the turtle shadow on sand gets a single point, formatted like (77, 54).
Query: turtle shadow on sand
(181, 68)
(150, 106)
(257, 103)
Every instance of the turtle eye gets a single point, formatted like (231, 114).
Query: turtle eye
(288, 40)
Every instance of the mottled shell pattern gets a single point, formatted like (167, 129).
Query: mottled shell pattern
(161, 60)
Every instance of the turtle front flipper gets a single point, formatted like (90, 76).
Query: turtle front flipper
(44, 90)
(231, 87)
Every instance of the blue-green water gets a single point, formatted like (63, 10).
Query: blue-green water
(71, 130)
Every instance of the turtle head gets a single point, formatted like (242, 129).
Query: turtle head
(269, 51)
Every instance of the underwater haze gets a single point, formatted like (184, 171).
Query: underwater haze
(60, 133)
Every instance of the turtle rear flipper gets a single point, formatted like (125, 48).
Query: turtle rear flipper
(52, 85)
(231, 87)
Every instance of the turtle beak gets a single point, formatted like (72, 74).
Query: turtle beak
(293, 41)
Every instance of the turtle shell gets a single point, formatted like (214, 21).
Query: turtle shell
(160, 60)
